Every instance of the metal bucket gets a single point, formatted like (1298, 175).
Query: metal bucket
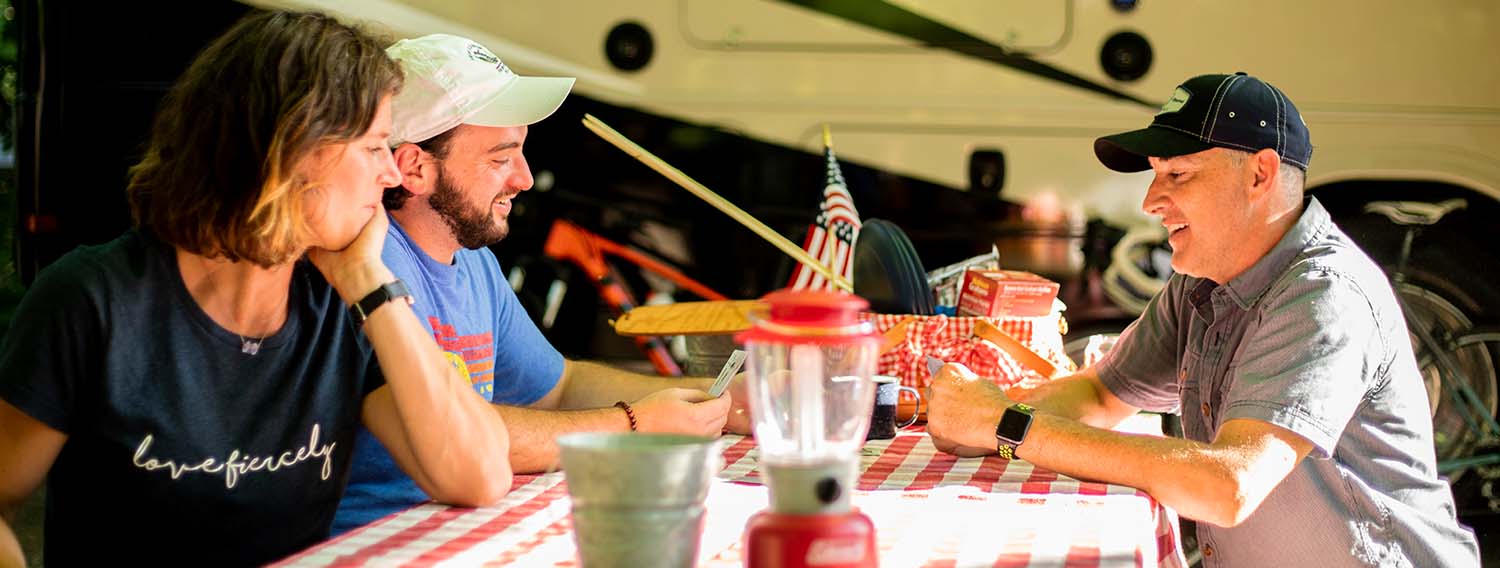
(638, 498)
(706, 354)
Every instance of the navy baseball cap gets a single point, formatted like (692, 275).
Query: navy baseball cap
(1235, 111)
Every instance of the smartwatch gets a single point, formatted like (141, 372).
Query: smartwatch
(395, 290)
(1011, 430)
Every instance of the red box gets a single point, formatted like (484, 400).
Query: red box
(993, 293)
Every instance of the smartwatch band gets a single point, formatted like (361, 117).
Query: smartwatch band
(381, 296)
(1011, 430)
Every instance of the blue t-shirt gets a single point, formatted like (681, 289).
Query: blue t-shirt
(482, 328)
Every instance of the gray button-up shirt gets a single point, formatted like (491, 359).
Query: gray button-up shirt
(1310, 339)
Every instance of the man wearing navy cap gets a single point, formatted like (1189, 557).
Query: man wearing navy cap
(1308, 435)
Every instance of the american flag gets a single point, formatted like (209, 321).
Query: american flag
(830, 238)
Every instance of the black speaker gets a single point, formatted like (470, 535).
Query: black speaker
(1126, 56)
(987, 171)
(629, 46)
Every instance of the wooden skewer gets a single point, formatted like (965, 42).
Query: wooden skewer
(1022, 354)
(636, 151)
(894, 336)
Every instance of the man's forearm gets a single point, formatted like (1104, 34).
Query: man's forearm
(1217, 484)
(592, 385)
(533, 433)
(1202, 481)
(1076, 397)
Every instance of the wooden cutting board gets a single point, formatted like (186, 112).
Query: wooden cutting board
(689, 318)
(733, 316)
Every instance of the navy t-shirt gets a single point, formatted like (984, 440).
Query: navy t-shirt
(181, 448)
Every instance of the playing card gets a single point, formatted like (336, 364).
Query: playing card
(731, 367)
(934, 364)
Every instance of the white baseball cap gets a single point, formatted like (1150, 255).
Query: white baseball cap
(452, 80)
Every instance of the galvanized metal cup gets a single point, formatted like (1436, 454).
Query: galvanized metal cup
(637, 497)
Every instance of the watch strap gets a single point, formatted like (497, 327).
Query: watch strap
(1015, 422)
(390, 291)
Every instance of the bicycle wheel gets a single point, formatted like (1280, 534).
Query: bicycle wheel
(1456, 431)
(1446, 290)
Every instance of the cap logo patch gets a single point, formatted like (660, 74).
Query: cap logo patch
(1179, 98)
(479, 53)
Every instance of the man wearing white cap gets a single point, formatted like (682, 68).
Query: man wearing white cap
(458, 127)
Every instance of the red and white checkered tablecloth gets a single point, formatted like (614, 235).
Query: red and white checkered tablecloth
(952, 340)
(929, 509)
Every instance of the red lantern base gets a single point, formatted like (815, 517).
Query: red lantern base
(843, 540)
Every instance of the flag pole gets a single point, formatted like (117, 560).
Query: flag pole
(662, 167)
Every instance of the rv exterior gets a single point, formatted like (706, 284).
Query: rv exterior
(1392, 91)
(1007, 96)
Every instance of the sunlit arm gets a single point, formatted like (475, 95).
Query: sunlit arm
(27, 450)
(1080, 397)
(590, 385)
(10, 548)
(451, 442)
(582, 401)
(533, 433)
(1221, 483)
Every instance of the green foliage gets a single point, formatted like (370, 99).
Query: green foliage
(9, 83)
(10, 282)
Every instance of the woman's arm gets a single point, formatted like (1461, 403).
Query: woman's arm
(27, 450)
(10, 548)
(449, 440)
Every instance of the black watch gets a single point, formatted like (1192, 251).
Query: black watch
(1011, 430)
(386, 293)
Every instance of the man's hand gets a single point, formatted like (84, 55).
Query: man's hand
(682, 411)
(962, 411)
(948, 447)
(356, 269)
(739, 410)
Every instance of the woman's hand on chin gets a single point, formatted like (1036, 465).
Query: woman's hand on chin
(356, 269)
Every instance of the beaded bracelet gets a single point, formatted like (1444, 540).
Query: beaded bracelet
(628, 413)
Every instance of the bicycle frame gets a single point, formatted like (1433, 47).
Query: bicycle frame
(572, 244)
(1458, 388)
(1475, 414)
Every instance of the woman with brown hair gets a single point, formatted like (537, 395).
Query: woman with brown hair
(191, 389)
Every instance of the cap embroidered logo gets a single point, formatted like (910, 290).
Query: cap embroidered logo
(479, 53)
(1179, 99)
(452, 80)
(1243, 113)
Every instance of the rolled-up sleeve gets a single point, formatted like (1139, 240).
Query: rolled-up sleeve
(1311, 355)
(1141, 368)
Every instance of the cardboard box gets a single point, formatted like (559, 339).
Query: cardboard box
(993, 293)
